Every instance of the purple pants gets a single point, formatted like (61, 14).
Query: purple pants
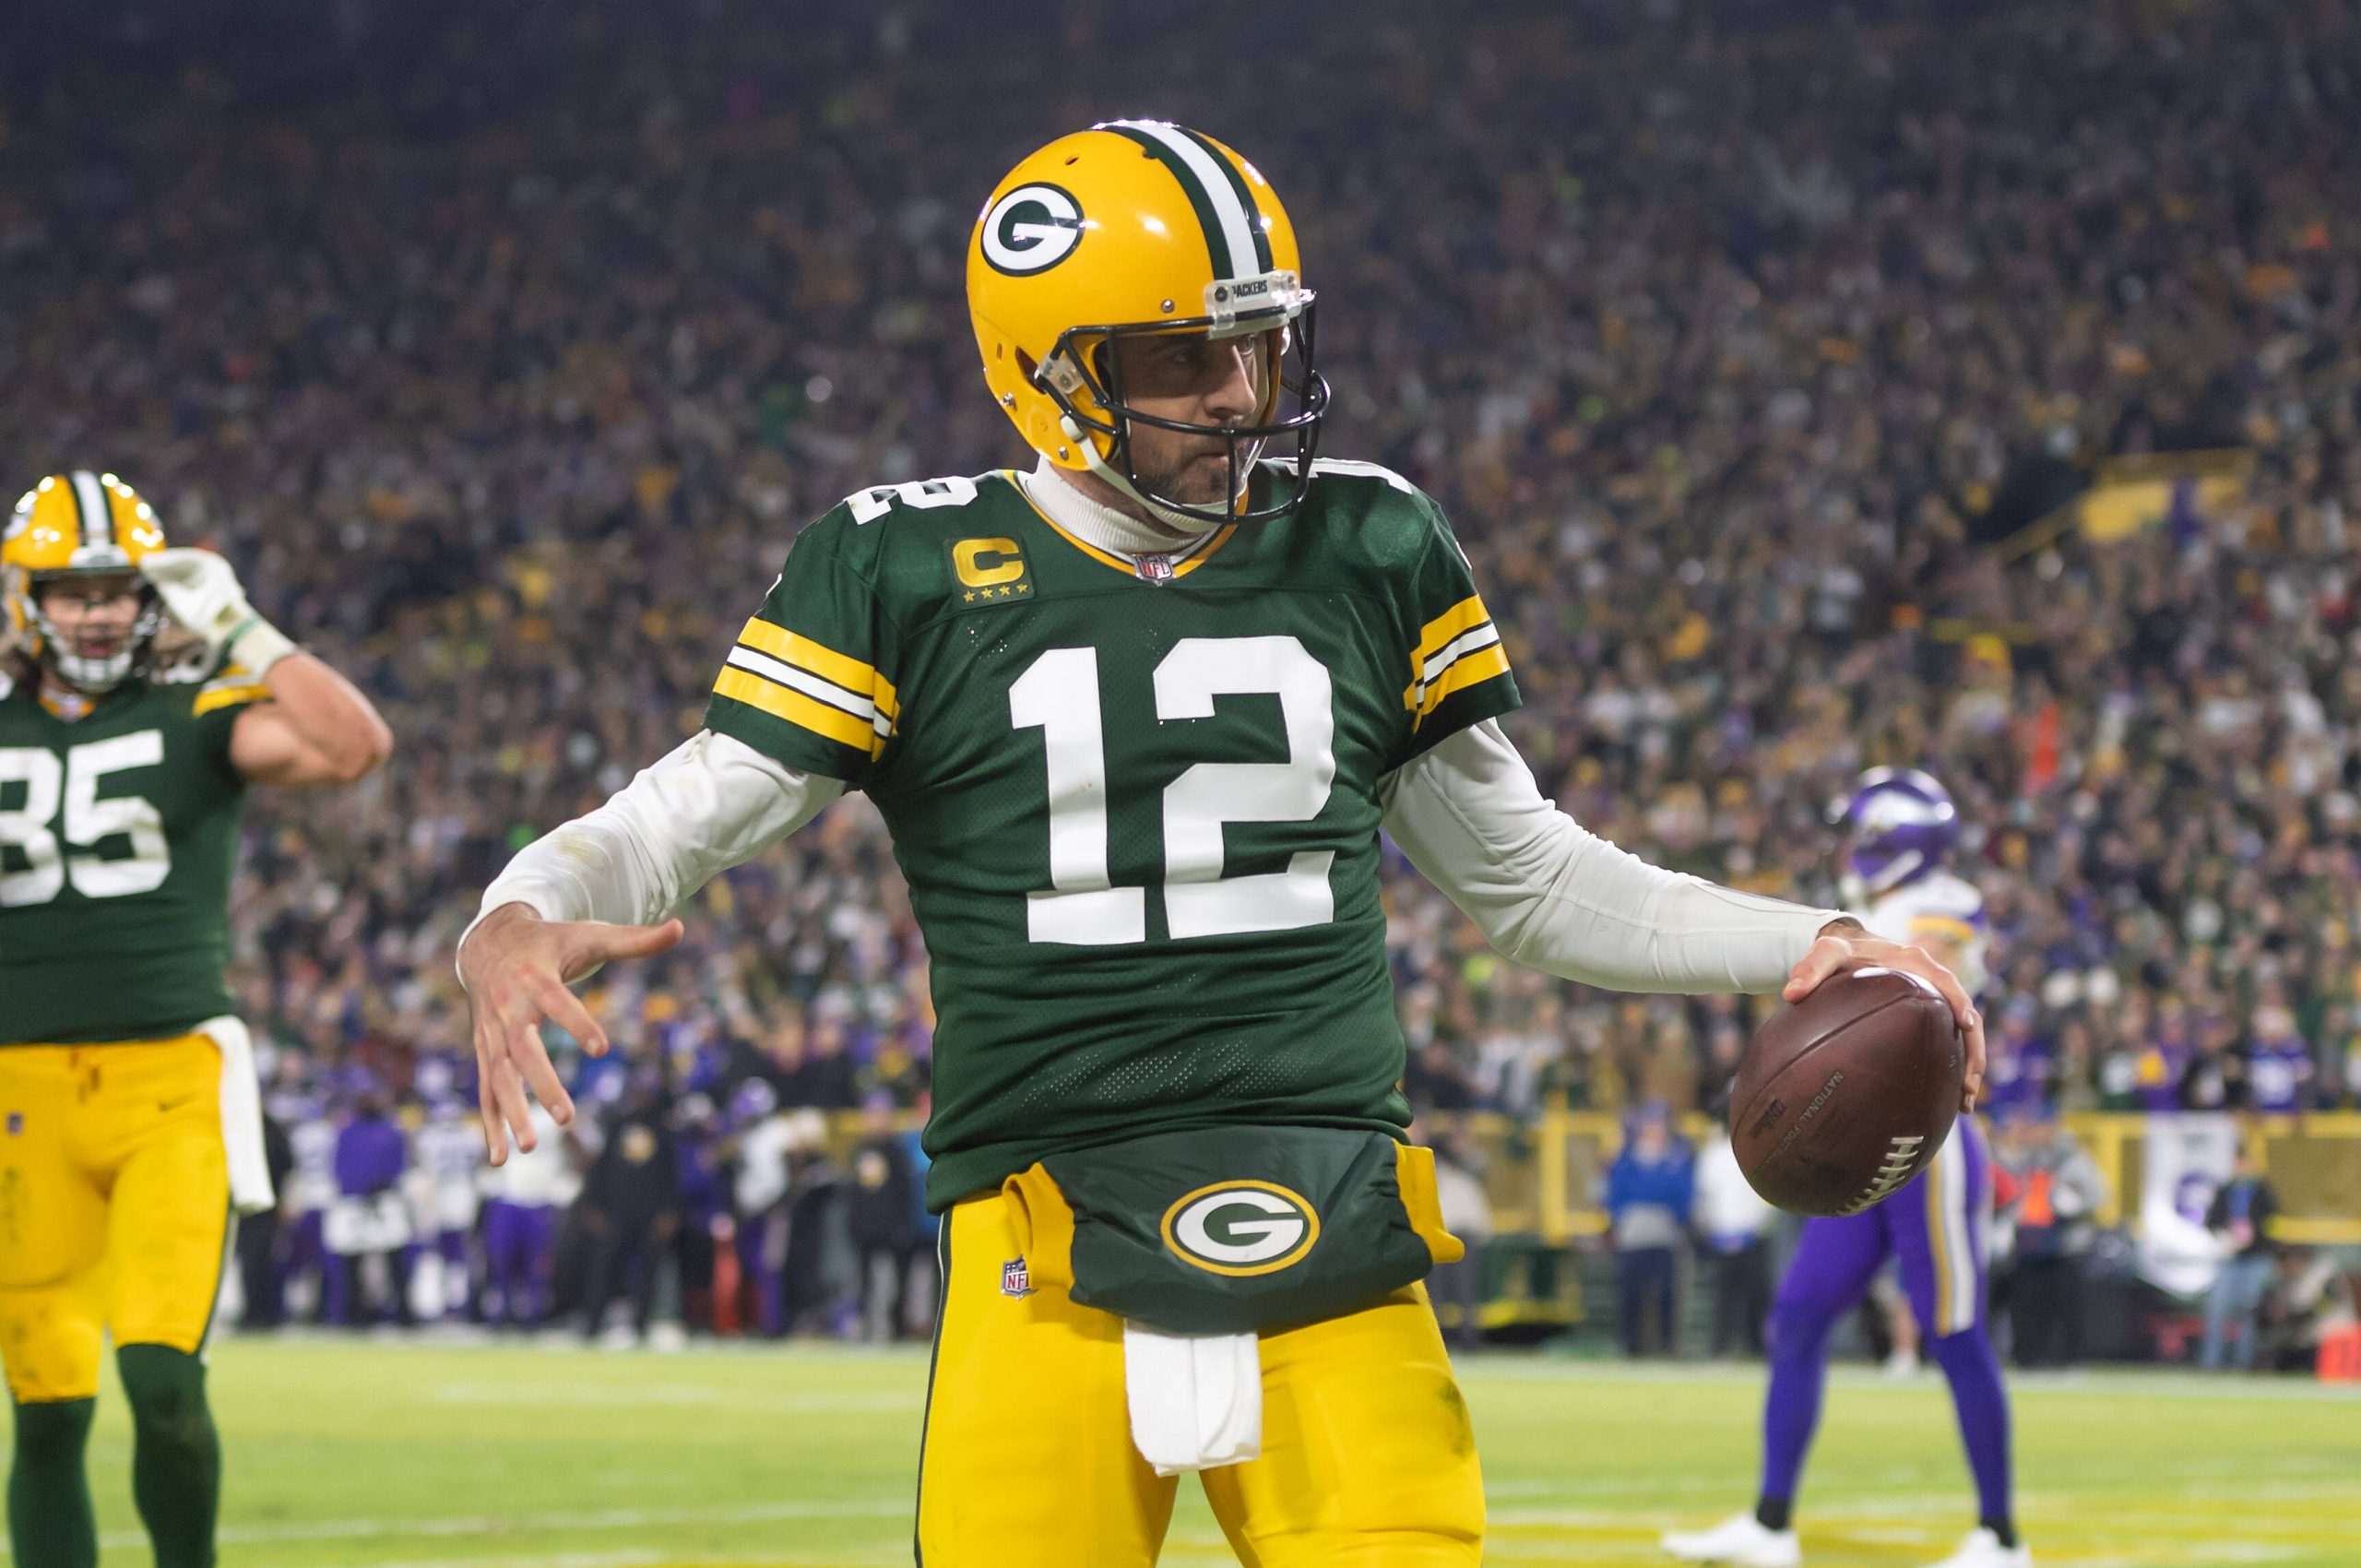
(517, 1239)
(1934, 1228)
(762, 1260)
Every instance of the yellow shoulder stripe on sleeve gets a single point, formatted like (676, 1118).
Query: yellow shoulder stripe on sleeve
(780, 702)
(826, 662)
(1436, 635)
(1942, 925)
(1458, 649)
(219, 696)
(1470, 670)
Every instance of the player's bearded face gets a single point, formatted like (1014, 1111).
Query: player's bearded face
(1188, 377)
(94, 617)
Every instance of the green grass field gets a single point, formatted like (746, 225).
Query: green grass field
(400, 1456)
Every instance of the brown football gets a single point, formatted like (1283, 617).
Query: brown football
(1849, 1093)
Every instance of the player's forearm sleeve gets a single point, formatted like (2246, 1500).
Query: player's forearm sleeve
(702, 808)
(1552, 896)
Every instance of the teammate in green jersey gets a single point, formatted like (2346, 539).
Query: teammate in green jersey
(1135, 719)
(139, 695)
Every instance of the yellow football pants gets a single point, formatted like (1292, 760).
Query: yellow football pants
(114, 1205)
(1027, 1462)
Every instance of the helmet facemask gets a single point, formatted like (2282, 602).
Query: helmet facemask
(1083, 374)
(91, 676)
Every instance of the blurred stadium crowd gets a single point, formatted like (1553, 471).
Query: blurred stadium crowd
(1740, 341)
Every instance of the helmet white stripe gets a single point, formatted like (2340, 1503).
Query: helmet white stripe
(1237, 226)
(90, 500)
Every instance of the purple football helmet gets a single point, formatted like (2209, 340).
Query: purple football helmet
(1903, 824)
(755, 1100)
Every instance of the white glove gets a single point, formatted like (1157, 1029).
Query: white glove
(201, 590)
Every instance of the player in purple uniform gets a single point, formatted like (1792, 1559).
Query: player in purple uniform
(2022, 1070)
(1903, 827)
(2279, 1064)
(522, 1202)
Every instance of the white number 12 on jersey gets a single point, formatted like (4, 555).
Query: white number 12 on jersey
(1059, 695)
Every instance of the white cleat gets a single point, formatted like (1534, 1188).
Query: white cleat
(1982, 1549)
(1740, 1541)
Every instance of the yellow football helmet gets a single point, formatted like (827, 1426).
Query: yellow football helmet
(1135, 227)
(78, 525)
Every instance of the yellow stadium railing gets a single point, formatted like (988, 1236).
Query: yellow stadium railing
(1543, 1174)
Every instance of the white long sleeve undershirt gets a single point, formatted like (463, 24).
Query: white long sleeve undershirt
(710, 803)
(1551, 894)
(1545, 891)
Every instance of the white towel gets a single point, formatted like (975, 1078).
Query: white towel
(250, 1189)
(1196, 1399)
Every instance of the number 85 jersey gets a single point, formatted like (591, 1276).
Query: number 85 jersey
(1136, 800)
(117, 834)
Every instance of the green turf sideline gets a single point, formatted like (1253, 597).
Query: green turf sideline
(380, 1454)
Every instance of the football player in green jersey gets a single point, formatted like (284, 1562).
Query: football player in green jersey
(1135, 719)
(139, 695)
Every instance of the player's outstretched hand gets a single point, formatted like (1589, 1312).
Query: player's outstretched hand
(516, 965)
(1845, 947)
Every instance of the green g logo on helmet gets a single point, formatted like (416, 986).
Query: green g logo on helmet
(1143, 228)
(1031, 228)
(1242, 1229)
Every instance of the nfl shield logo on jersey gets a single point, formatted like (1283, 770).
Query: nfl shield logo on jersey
(1154, 568)
(1014, 1279)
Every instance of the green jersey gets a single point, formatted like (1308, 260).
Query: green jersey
(1136, 802)
(118, 833)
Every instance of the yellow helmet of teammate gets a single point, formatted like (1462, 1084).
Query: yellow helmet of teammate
(1138, 227)
(78, 525)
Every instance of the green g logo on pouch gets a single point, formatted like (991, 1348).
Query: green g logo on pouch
(1241, 1229)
